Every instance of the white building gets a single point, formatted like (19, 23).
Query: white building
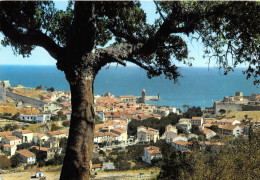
(196, 121)
(168, 136)
(177, 138)
(10, 149)
(38, 137)
(38, 118)
(150, 153)
(27, 156)
(233, 130)
(11, 140)
(208, 133)
(25, 135)
(146, 135)
(181, 145)
(229, 122)
(59, 134)
(184, 124)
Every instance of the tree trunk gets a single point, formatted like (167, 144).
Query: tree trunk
(78, 158)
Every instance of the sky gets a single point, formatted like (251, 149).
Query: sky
(41, 57)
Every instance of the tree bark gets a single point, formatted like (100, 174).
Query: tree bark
(78, 158)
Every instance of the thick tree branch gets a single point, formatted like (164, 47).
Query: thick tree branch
(83, 31)
(120, 53)
(30, 38)
(159, 10)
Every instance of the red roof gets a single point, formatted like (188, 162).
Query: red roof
(5, 133)
(26, 153)
(154, 152)
(96, 165)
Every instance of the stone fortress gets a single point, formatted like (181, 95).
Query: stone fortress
(3, 86)
(238, 103)
(139, 99)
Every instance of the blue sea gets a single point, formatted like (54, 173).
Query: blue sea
(196, 87)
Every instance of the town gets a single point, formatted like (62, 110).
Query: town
(129, 133)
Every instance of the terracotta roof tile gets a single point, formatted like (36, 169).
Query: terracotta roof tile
(182, 143)
(41, 148)
(152, 148)
(154, 152)
(5, 133)
(96, 166)
(12, 138)
(26, 153)
(39, 135)
(196, 118)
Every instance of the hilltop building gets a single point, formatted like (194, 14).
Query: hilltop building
(139, 99)
(238, 103)
(2, 92)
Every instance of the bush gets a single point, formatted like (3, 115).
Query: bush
(16, 160)
(66, 123)
(57, 160)
(38, 87)
(55, 127)
(16, 116)
(10, 127)
(24, 146)
(61, 115)
(5, 162)
(51, 89)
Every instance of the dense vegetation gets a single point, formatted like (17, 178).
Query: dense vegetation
(238, 159)
(5, 162)
(192, 112)
(154, 123)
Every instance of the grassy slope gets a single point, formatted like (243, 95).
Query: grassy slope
(240, 114)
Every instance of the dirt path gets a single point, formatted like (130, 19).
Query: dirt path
(27, 176)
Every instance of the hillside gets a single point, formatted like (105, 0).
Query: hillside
(241, 114)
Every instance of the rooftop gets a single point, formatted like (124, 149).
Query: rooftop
(26, 153)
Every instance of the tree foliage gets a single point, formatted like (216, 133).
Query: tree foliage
(5, 162)
(51, 89)
(16, 160)
(193, 112)
(24, 146)
(153, 123)
(11, 127)
(237, 159)
(38, 87)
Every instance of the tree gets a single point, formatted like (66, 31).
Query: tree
(172, 163)
(78, 39)
(66, 123)
(222, 111)
(193, 112)
(16, 116)
(16, 160)
(40, 155)
(38, 87)
(195, 130)
(11, 127)
(55, 127)
(61, 116)
(51, 89)
(5, 162)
